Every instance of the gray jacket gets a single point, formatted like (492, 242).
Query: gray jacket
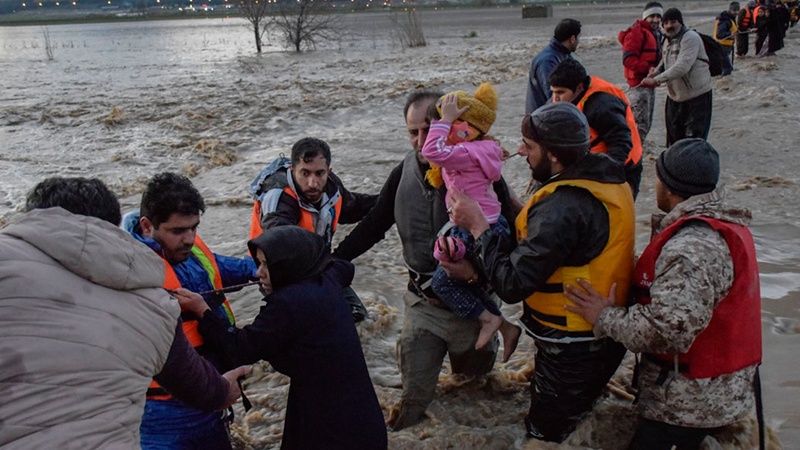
(84, 327)
(681, 309)
(685, 66)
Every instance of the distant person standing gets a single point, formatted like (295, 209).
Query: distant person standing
(685, 70)
(641, 52)
(745, 21)
(561, 46)
(725, 31)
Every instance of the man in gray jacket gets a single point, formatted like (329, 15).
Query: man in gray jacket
(685, 70)
(86, 325)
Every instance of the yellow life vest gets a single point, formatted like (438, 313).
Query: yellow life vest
(613, 265)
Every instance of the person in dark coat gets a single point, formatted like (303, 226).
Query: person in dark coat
(305, 331)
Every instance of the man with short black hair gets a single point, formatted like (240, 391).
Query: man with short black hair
(685, 70)
(696, 319)
(87, 326)
(167, 222)
(612, 127)
(564, 42)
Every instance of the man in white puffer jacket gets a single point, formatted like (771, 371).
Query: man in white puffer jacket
(85, 325)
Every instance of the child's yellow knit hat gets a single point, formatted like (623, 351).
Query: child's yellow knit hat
(482, 107)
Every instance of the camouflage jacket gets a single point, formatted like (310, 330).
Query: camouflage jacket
(692, 274)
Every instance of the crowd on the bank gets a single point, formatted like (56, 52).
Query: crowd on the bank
(116, 331)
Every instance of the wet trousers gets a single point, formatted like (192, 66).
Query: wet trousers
(567, 380)
(652, 435)
(429, 333)
(742, 44)
(691, 118)
(643, 103)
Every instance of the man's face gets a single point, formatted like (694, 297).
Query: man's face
(310, 177)
(417, 125)
(175, 236)
(538, 159)
(654, 21)
(672, 27)
(573, 42)
(562, 94)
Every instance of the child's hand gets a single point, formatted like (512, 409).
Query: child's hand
(450, 110)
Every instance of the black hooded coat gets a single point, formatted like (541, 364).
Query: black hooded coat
(305, 331)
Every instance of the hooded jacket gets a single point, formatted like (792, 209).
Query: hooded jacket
(681, 309)
(84, 326)
(685, 66)
(641, 51)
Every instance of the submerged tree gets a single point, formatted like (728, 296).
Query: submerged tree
(408, 26)
(303, 23)
(255, 11)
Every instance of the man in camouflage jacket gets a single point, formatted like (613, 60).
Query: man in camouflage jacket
(692, 379)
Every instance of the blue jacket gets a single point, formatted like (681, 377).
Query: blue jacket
(161, 416)
(541, 68)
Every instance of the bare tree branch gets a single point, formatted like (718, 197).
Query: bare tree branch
(304, 23)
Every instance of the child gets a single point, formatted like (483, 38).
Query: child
(470, 161)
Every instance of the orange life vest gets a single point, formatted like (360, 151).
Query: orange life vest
(598, 146)
(306, 217)
(748, 17)
(201, 250)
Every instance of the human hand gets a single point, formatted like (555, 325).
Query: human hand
(459, 270)
(588, 303)
(450, 109)
(232, 377)
(191, 301)
(649, 82)
(466, 213)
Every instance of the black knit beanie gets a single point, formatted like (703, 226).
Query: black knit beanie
(689, 167)
(672, 14)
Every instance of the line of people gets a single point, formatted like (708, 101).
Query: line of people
(102, 300)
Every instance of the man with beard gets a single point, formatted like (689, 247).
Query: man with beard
(167, 222)
(579, 224)
(685, 70)
(430, 330)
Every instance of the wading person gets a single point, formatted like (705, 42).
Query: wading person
(725, 31)
(745, 21)
(305, 331)
(580, 223)
(303, 191)
(564, 42)
(87, 325)
(167, 223)
(697, 313)
(685, 70)
(430, 330)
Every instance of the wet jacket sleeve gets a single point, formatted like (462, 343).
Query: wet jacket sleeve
(373, 227)
(568, 227)
(190, 378)
(606, 115)
(285, 212)
(693, 273)
(235, 271)
(354, 205)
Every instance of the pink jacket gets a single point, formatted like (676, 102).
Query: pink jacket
(470, 167)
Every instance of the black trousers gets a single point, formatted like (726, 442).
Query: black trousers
(567, 380)
(691, 118)
(652, 435)
(742, 44)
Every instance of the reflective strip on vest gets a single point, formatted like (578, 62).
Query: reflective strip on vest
(601, 85)
(613, 265)
(732, 339)
(306, 217)
(171, 282)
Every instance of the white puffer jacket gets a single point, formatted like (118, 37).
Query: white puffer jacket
(84, 326)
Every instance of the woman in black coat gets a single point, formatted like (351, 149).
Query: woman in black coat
(305, 330)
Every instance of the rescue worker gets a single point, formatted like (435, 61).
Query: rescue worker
(725, 31)
(430, 330)
(745, 22)
(641, 52)
(612, 127)
(580, 223)
(697, 316)
(167, 223)
(305, 192)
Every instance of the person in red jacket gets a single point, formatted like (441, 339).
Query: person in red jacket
(641, 51)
